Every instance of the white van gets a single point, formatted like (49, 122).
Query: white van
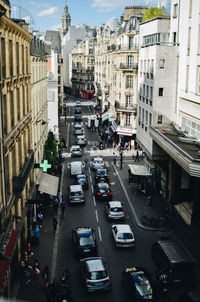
(76, 168)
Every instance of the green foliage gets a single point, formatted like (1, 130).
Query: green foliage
(50, 148)
(152, 12)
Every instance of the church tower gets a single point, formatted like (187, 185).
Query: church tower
(65, 20)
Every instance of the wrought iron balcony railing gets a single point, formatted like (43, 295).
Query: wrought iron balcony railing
(127, 107)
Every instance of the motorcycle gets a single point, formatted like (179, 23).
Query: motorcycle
(163, 282)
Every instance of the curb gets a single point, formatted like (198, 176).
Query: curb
(137, 221)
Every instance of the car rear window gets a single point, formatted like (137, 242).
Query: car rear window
(103, 189)
(116, 209)
(98, 275)
(101, 173)
(83, 241)
(77, 193)
(75, 149)
(125, 236)
(98, 161)
(142, 285)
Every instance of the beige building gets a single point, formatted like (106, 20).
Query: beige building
(17, 155)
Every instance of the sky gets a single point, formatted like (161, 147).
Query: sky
(45, 15)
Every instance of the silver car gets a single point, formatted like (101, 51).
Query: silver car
(81, 140)
(123, 235)
(114, 210)
(78, 130)
(94, 274)
(76, 151)
(97, 163)
(76, 194)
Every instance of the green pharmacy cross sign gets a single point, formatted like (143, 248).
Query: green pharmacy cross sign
(45, 165)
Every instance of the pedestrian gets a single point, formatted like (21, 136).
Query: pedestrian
(86, 162)
(55, 222)
(29, 274)
(114, 158)
(40, 218)
(63, 210)
(37, 235)
(36, 273)
(46, 275)
(137, 158)
(59, 197)
(55, 206)
(114, 145)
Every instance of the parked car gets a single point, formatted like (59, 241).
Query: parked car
(114, 210)
(102, 175)
(138, 284)
(123, 235)
(78, 130)
(76, 194)
(77, 117)
(81, 140)
(84, 242)
(102, 191)
(76, 151)
(78, 110)
(97, 163)
(94, 274)
(82, 180)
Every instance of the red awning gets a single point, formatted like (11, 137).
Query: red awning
(9, 251)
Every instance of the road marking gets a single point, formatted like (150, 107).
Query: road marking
(92, 189)
(94, 201)
(90, 179)
(99, 230)
(97, 217)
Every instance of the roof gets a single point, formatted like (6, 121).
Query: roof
(115, 204)
(123, 227)
(141, 170)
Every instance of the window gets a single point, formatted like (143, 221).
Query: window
(162, 63)
(151, 93)
(130, 61)
(128, 119)
(90, 51)
(139, 113)
(175, 10)
(187, 78)
(198, 79)
(143, 115)
(143, 90)
(146, 118)
(150, 119)
(189, 38)
(129, 82)
(159, 119)
(129, 101)
(90, 43)
(160, 93)
(174, 37)
(131, 43)
(152, 68)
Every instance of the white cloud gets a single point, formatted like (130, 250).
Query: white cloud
(48, 12)
(111, 5)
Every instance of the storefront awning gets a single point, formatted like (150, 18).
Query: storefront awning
(125, 131)
(105, 116)
(139, 170)
(4, 264)
(48, 184)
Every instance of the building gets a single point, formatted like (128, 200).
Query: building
(17, 155)
(83, 66)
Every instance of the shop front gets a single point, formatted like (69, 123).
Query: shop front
(88, 94)
(125, 135)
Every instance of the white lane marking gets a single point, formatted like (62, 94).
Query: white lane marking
(92, 189)
(90, 179)
(99, 230)
(94, 201)
(97, 217)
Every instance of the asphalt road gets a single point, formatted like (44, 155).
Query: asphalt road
(92, 214)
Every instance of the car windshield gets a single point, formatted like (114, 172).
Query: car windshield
(142, 285)
(76, 149)
(82, 178)
(83, 241)
(116, 209)
(103, 188)
(101, 172)
(98, 161)
(97, 275)
(125, 236)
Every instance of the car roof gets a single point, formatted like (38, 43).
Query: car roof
(97, 158)
(75, 163)
(84, 232)
(81, 175)
(123, 227)
(75, 146)
(80, 136)
(75, 188)
(115, 204)
(104, 170)
(95, 265)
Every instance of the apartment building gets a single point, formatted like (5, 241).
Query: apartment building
(83, 66)
(172, 143)
(17, 155)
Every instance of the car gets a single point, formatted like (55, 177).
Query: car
(76, 194)
(138, 284)
(84, 242)
(76, 151)
(76, 168)
(102, 191)
(114, 210)
(78, 130)
(97, 163)
(78, 110)
(77, 117)
(94, 274)
(78, 103)
(81, 140)
(123, 235)
(102, 175)
(82, 180)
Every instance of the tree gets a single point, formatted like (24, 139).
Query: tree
(152, 12)
(50, 148)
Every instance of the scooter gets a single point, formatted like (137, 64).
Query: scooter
(100, 146)
(163, 282)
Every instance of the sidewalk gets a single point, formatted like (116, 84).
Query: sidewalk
(138, 203)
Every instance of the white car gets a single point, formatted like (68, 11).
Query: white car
(76, 151)
(123, 235)
(97, 163)
(114, 210)
(81, 140)
(78, 103)
(78, 130)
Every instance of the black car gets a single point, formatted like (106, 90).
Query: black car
(78, 110)
(84, 242)
(102, 191)
(102, 176)
(138, 284)
(77, 118)
(82, 180)
(94, 274)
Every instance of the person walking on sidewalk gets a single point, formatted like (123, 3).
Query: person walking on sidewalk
(55, 222)
(63, 210)
(137, 158)
(46, 275)
(114, 158)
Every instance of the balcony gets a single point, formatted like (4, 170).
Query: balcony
(60, 60)
(126, 108)
(20, 181)
(124, 47)
(128, 67)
